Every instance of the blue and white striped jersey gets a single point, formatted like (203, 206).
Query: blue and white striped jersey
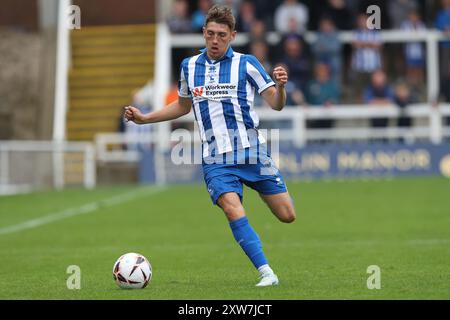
(366, 59)
(222, 94)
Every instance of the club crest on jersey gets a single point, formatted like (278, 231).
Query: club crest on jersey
(197, 91)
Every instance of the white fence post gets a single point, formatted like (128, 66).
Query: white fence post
(435, 126)
(299, 128)
(90, 172)
(4, 166)
(58, 165)
(432, 66)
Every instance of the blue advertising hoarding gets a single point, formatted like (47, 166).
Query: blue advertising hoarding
(329, 161)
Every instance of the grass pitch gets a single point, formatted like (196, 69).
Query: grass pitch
(401, 225)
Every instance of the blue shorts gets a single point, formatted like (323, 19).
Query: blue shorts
(262, 176)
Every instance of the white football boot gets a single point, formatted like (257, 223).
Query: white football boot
(268, 279)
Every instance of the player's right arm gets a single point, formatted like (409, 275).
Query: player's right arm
(172, 111)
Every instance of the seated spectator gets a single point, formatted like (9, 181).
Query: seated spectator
(260, 50)
(445, 86)
(379, 93)
(445, 90)
(403, 98)
(179, 21)
(414, 51)
(294, 98)
(442, 23)
(265, 12)
(257, 34)
(327, 48)
(291, 11)
(320, 92)
(198, 17)
(257, 31)
(366, 57)
(296, 59)
(246, 17)
(399, 11)
(382, 4)
(339, 13)
(233, 4)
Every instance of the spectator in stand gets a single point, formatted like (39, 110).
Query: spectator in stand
(366, 57)
(399, 11)
(289, 13)
(382, 4)
(338, 11)
(445, 86)
(265, 11)
(327, 48)
(402, 99)
(381, 94)
(323, 91)
(233, 4)
(442, 23)
(257, 34)
(445, 89)
(179, 21)
(198, 17)
(414, 52)
(352, 6)
(296, 59)
(294, 96)
(260, 50)
(257, 31)
(246, 17)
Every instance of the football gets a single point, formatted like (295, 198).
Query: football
(132, 271)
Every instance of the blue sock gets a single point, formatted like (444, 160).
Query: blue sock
(249, 241)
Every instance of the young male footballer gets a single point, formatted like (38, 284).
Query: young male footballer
(220, 85)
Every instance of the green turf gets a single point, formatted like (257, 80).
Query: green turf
(401, 225)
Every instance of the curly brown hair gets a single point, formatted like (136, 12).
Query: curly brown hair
(221, 14)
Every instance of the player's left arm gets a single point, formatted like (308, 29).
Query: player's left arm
(275, 96)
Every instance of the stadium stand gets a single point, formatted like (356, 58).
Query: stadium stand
(108, 63)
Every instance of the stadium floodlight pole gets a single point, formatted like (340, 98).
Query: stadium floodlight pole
(60, 109)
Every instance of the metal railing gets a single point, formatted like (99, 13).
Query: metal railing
(298, 133)
(54, 162)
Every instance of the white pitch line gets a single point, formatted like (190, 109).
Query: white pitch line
(84, 209)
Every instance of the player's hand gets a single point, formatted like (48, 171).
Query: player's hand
(280, 75)
(133, 114)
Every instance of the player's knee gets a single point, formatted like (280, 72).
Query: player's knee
(288, 214)
(231, 208)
